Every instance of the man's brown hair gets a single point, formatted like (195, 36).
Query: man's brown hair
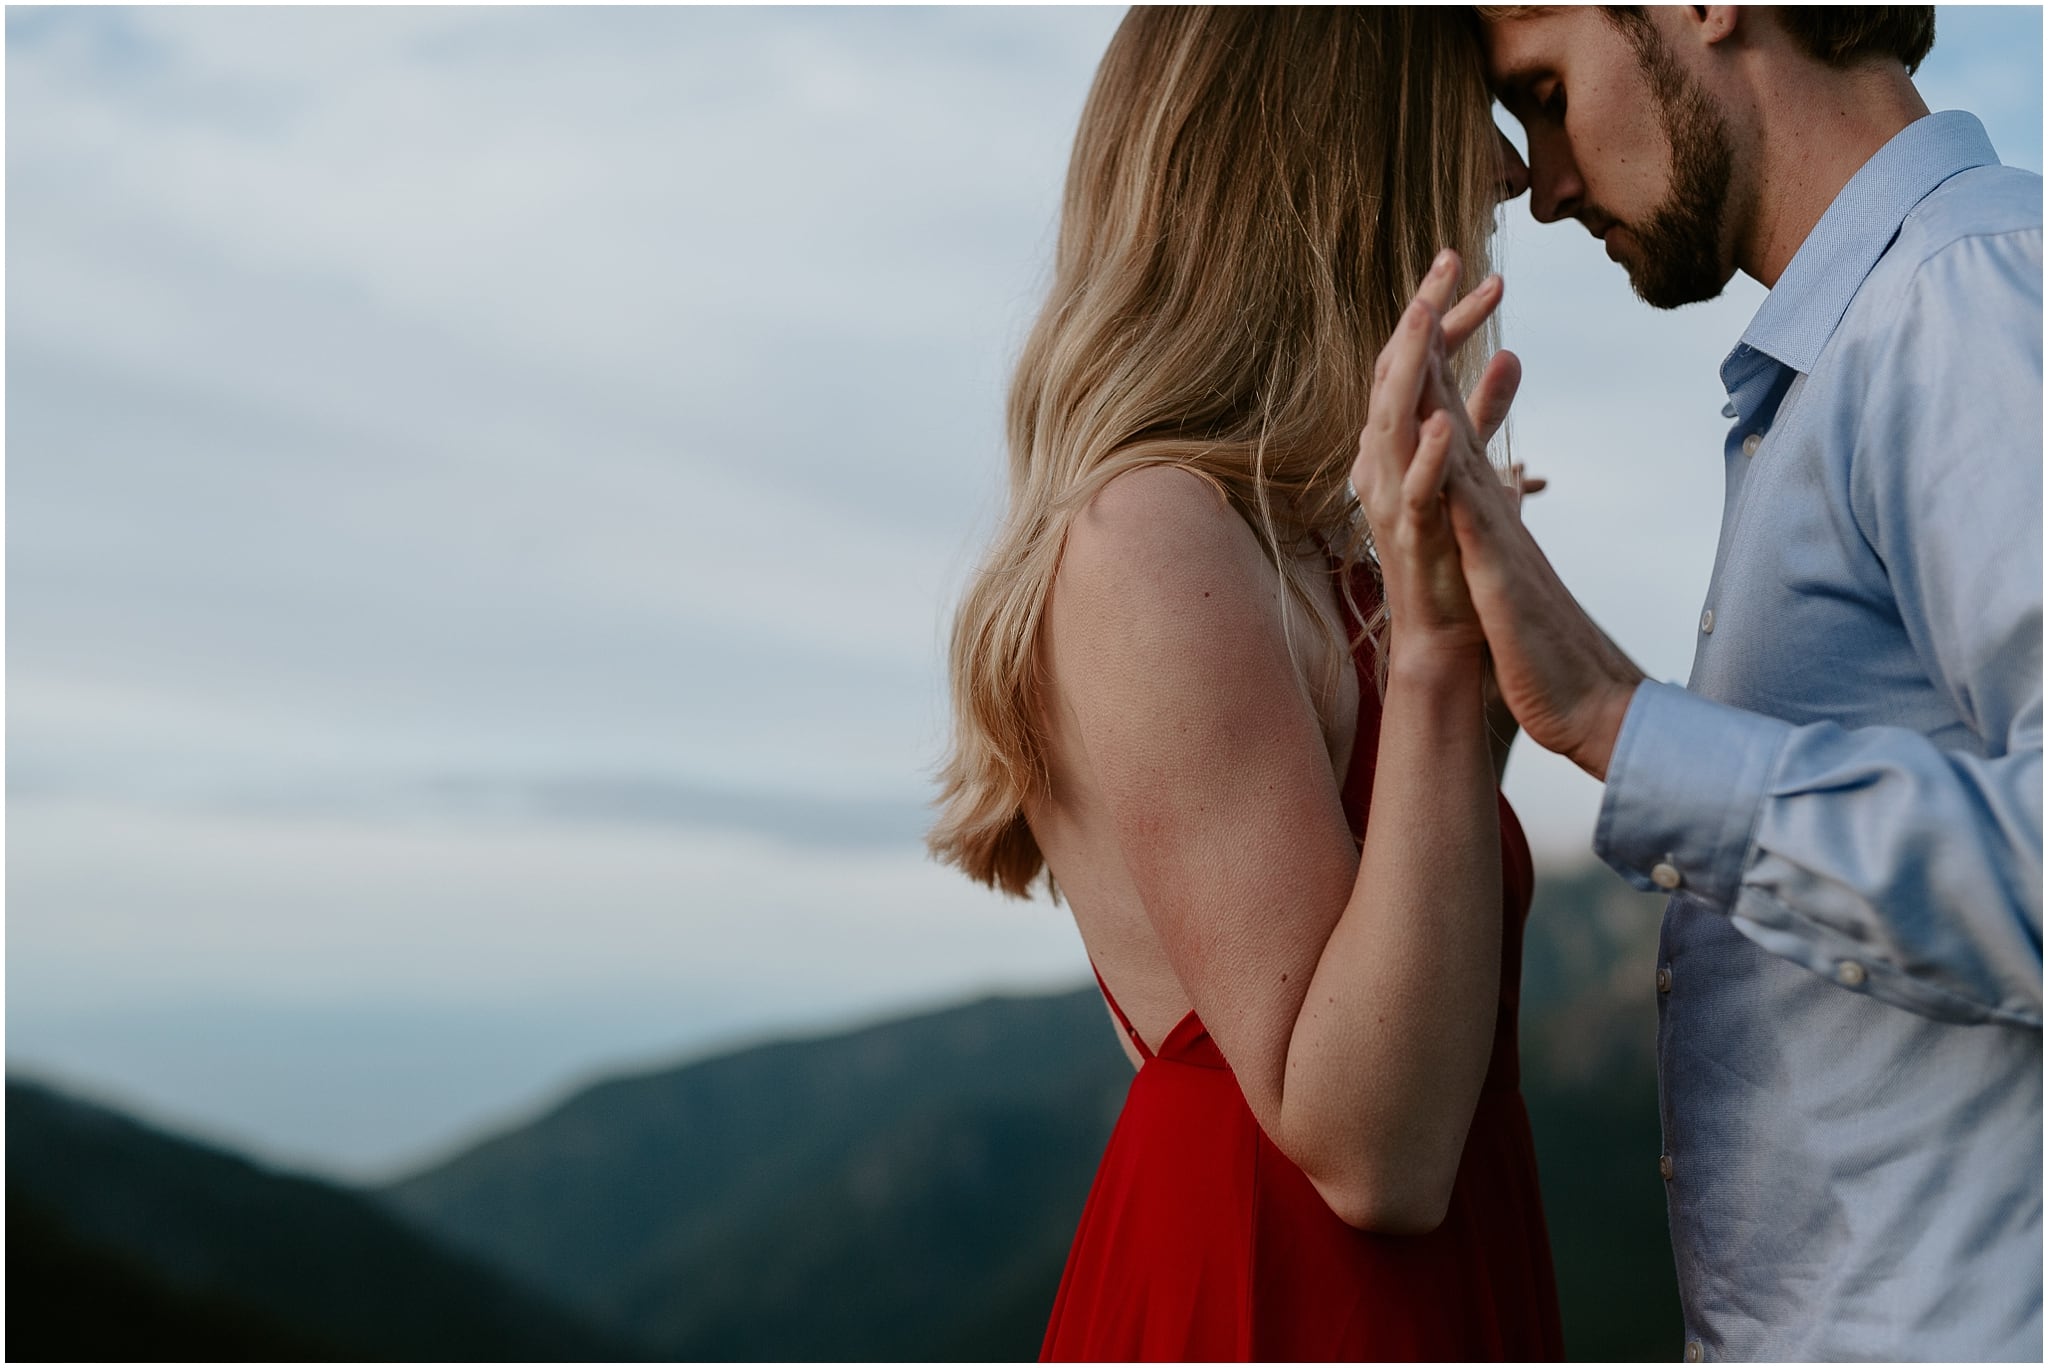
(1840, 35)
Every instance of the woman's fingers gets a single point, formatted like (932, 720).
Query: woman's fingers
(1422, 487)
(1458, 318)
(1494, 395)
(1440, 394)
(1399, 377)
(1440, 282)
(1411, 377)
(1439, 290)
(1464, 318)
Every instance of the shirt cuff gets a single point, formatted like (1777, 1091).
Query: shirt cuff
(1685, 786)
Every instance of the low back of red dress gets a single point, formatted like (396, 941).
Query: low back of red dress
(1201, 1241)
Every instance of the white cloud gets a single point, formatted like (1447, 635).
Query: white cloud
(115, 904)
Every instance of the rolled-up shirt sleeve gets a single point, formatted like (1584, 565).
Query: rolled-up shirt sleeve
(1872, 855)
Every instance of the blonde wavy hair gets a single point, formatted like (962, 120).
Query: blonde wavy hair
(1253, 197)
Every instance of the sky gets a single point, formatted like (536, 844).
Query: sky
(486, 490)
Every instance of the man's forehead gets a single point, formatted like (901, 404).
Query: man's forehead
(1524, 42)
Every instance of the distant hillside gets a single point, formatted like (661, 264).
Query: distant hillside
(124, 1242)
(905, 1191)
(908, 1190)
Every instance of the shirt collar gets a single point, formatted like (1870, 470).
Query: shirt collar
(1801, 311)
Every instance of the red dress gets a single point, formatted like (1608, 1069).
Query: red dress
(1201, 1241)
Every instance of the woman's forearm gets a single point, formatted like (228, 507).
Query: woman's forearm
(1394, 1037)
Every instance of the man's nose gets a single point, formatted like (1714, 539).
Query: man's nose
(1514, 172)
(1555, 190)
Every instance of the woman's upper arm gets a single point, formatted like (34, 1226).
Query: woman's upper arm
(1171, 657)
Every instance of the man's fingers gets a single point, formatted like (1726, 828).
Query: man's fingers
(1522, 485)
(1473, 481)
(1465, 317)
(1484, 529)
(1494, 395)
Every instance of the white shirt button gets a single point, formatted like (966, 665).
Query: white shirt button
(1850, 974)
(1694, 1351)
(1665, 876)
(1707, 622)
(1665, 1166)
(1751, 443)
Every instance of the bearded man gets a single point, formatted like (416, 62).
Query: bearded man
(1845, 801)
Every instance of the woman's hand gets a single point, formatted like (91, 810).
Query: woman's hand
(1414, 430)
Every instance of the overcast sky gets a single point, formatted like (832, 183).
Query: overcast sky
(486, 491)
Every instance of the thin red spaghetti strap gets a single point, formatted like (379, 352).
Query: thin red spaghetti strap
(1110, 998)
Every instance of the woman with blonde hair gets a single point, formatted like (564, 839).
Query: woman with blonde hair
(1238, 712)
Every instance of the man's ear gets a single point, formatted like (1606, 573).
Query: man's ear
(1717, 23)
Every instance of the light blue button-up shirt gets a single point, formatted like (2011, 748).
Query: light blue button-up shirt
(1846, 797)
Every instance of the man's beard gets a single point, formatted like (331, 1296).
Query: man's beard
(1678, 247)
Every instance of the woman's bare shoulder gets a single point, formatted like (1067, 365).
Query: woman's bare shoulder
(1162, 533)
(1165, 605)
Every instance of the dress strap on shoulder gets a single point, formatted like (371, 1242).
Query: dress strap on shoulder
(1123, 1020)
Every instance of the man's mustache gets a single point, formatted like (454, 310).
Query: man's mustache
(1596, 221)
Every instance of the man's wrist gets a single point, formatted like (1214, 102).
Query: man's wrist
(1596, 753)
(1685, 787)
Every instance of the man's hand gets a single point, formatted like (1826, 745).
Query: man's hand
(1559, 675)
(1564, 681)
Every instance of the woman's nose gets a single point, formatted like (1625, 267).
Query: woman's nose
(1514, 172)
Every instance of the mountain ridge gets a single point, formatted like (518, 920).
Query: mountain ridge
(902, 1190)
